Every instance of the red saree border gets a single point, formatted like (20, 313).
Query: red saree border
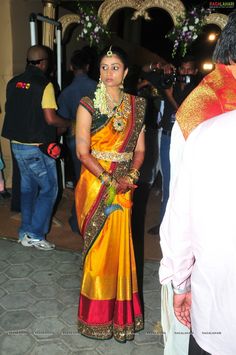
(107, 310)
(120, 319)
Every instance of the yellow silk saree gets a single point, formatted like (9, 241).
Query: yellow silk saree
(109, 303)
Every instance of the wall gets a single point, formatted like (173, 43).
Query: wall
(6, 70)
(14, 41)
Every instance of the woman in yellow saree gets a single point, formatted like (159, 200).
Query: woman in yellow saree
(110, 145)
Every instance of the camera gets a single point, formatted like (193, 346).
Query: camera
(164, 81)
(168, 80)
(187, 79)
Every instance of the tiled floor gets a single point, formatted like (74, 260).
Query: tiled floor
(38, 306)
(145, 216)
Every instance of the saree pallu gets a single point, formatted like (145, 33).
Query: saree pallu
(109, 303)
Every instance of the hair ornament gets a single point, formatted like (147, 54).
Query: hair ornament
(109, 52)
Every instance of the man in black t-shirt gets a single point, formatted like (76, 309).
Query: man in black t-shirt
(31, 124)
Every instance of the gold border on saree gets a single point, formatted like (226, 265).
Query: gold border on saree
(106, 331)
(112, 156)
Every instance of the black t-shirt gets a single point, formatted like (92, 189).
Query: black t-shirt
(152, 106)
(179, 96)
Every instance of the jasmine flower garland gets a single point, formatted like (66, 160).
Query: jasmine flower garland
(93, 31)
(188, 29)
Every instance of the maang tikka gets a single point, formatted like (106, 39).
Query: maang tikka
(109, 52)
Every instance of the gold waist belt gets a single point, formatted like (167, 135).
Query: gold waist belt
(112, 156)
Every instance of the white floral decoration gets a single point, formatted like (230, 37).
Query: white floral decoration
(93, 31)
(188, 29)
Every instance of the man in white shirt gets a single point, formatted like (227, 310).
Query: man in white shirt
(215, 95)
(198, 237)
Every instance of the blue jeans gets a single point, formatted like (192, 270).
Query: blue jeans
(39, 188)
(165, 170)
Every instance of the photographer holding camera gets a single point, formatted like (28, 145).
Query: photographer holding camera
(176, 86)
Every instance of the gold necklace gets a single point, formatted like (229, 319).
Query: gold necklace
(114, 103)
(120, 114)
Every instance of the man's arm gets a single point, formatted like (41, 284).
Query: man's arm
(49, 107)
(177, 144)
(53, 119)
(170, 97)
(175, 233)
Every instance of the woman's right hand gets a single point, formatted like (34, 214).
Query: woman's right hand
(124, 184)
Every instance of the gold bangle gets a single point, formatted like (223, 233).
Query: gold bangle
(130, 179)
(134, 174)
(105, 178)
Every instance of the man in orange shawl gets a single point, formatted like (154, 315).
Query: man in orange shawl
(215, 95)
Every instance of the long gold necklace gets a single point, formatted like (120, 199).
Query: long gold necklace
(120, 112)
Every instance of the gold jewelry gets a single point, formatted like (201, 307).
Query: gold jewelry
(115, 104)
(105, 178)
(112, 156)
(120, 114)
(109, 52)
(122, 85)
(129, 179)
(134, 174)
(121, 110)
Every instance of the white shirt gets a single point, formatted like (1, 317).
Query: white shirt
(198, 232)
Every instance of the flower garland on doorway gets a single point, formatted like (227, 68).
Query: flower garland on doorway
(93, 31)
(187, 30)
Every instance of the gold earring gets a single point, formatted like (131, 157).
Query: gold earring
(122, 85)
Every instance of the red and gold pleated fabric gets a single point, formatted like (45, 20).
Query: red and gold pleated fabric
(109, 303)
(214, 95)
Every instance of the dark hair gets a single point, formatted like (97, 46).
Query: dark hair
(80, 59)
(225, 49)
(187, 59)
(117, 51)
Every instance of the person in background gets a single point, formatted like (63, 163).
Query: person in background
(68, 102)
(30, 124)
(215, 94)
(110, 145)
(175, 88)
(15, 186)
(154, 101)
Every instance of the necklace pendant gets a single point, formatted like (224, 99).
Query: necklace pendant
(119, 124)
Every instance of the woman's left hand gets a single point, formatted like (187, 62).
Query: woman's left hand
(124, 184)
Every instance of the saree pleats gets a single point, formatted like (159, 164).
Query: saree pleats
(109, 293)
(109, 303)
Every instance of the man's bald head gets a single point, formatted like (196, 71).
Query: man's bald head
(37, 52)
(38, 56)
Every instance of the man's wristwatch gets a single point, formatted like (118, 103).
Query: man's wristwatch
(179, 291)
